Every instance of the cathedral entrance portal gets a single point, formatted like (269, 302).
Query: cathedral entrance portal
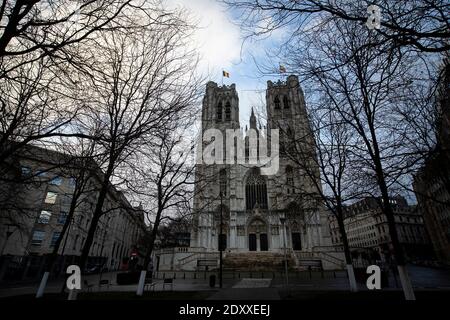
(296, 241)
(257, 236)
(264, 244)
(252, 242)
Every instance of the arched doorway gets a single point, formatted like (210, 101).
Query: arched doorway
(257, 235)
(221, 226)
(296, 222)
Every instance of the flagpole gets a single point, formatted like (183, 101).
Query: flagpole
(222, 78)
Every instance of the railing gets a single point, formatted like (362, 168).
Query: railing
(328, 248)
(196, 256)
(319, 255)
(232, 274)
(332, 259)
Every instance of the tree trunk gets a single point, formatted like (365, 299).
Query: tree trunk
(389, 213)
(347, 253)
(97, 214)
(53, 256)
(148, 255)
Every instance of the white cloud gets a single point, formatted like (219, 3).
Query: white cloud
(217, 38)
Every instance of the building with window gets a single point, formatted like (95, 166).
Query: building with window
(432, 182)
(32, 217)
(367, 229)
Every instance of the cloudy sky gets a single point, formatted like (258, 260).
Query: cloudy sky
(221, 46)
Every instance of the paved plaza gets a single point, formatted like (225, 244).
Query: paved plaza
(236, 287)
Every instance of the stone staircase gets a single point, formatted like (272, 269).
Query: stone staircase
(196, 256)
(316, 260)
(305, 260)
(256, 261)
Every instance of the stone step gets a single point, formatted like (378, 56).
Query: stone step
(256, 261)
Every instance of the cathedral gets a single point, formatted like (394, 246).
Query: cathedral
(254, 217)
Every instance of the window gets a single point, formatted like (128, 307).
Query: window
(66, 200)
(223, 181)
(285, 102)
(228, 111)
(276, 101)
(255, 190)
(38, 237)
(62, 218)
(51, 197)
(72, 182)
(55, 238)
(44, 217)
(219, 112)
(41, 173)
(56, 181)
(75, 242)
(289, 176)
(275, 230)
(26, 171)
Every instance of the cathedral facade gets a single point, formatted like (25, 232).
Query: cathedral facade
(255, 216)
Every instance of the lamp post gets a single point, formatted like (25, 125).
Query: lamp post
(8, 234)
(220, 239)
(283, 220)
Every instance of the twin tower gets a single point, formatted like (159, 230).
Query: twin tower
(285, 106)
(239, 201)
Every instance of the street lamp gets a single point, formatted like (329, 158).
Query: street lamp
(221, 239)
(9, 233)
(283, 220)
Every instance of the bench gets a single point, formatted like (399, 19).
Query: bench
(149, 284)
(104, 282)
(168, 281)
(88, 286)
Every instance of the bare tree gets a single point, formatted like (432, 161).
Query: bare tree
(325, 157)
(165, 180)
(365, 87)
(142, 82)
(39, 54)
(81, 166)
(420, 24)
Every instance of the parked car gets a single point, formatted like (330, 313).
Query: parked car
(96, 269)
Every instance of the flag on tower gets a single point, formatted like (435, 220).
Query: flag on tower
(225, 74)
(282, 69)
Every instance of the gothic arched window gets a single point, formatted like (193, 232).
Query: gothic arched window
(255, 190)
(289, 177)
(223, 181)
(285, 102)
(276, 101)
(228, 111)
(289, 141)
(282, 143)
(219, 112)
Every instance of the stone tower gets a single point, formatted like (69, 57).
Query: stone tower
(250, 211)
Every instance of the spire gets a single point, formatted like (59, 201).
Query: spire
(252, 120)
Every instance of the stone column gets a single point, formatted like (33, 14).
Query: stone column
(309, 230)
